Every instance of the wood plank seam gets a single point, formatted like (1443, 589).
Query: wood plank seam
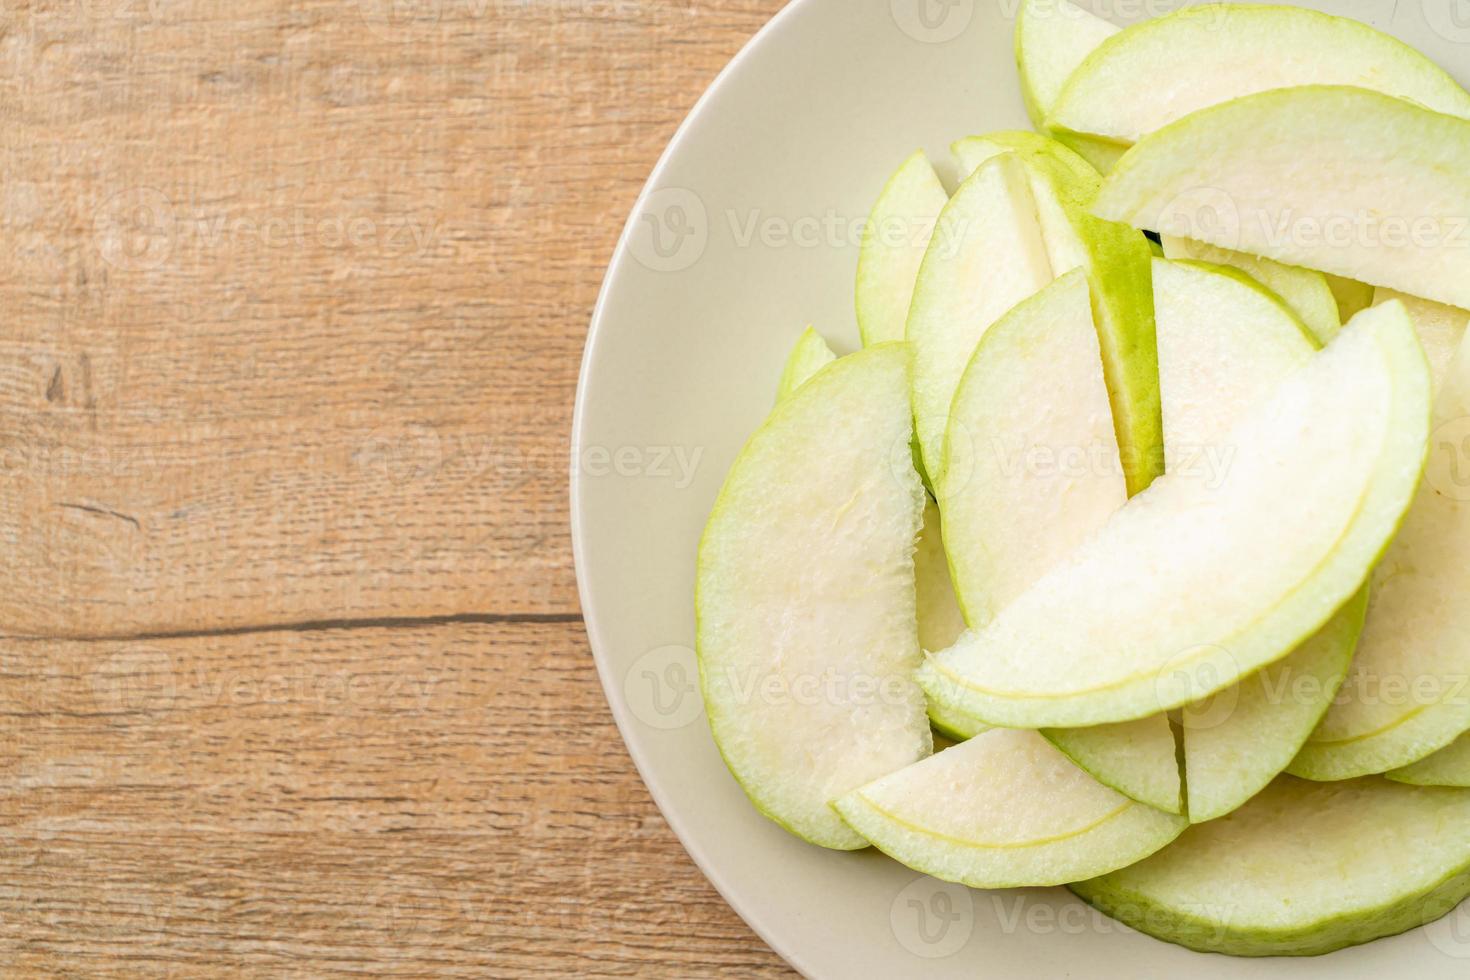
(309, 626)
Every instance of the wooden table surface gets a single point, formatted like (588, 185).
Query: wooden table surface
(293, 679)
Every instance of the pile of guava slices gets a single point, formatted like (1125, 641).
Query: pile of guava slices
(1132, 550)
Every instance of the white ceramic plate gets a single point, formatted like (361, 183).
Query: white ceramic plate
(747, 232)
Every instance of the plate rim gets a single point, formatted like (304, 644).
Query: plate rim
(620, 258)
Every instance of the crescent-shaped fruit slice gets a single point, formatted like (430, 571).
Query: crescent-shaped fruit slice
(1450, 766)
(1304, 290)
(1139, 758)
(1005, 809)
(955, 727)
(985, 256)
(1407, 694)
(1303, 869)
(940, 619)
(1141, 618)
(807, 633)
(809, 356)
(1053, 37)
(1239, 739)
(1033, 470)
(1043, 475)
(1159, 71)
(1441, 331)
(1091, 343)
(1307, 176)
(1224, 345)
(1032, 466)
(894, 241)
(1117, 262)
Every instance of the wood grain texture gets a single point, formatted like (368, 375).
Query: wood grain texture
(295, 296)
(303, 802)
